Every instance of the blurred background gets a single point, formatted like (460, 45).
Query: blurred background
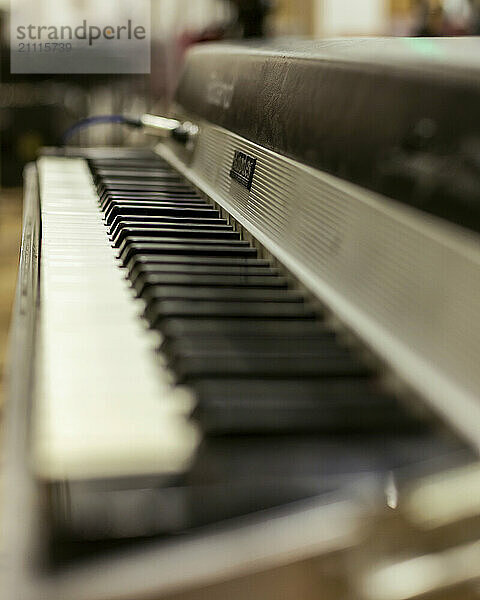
(35, 110)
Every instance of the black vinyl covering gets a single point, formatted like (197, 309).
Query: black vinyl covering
(399, 116)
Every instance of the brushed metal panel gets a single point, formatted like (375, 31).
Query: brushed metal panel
(406, 282)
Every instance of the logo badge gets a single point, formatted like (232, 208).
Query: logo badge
(243, 168)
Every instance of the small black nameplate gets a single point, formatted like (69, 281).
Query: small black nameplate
(243, 168)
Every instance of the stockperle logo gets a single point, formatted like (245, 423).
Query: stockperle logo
(112, 36)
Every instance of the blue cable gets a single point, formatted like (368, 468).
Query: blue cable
(98, 120)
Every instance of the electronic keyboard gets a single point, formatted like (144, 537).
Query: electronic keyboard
(233, 346)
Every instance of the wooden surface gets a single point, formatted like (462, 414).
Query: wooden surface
(10, 232)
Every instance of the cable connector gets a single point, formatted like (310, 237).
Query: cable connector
(163, 127)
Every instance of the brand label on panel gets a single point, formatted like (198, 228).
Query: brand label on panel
(243, 168)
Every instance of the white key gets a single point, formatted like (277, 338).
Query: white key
(104, 406)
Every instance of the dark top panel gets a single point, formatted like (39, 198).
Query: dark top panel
(399, 116)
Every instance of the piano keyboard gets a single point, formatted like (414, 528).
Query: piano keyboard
(238, 397)
(254, 351)
(194, 404)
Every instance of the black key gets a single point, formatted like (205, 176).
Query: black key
(127, 188)
(204, 328)
(164, 232)
(158, 293)
(137, 173)
(153, 199)
(217, 280)
(120, 222)
(110, 183)
(167, 182)
(146, 194)
(199, 365)
(132, 243)
(321, 345)
(164, 204)
(157, 270)
(239, 406)
(187, 250)
(226, 310)
(129, 163)
(137, 196)
(133, 186)
(160, 166)
(141, 262)
(180, 238)
(127, 210)
(148, 200)
(167, 209)
(170, 195)
(123, 231)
